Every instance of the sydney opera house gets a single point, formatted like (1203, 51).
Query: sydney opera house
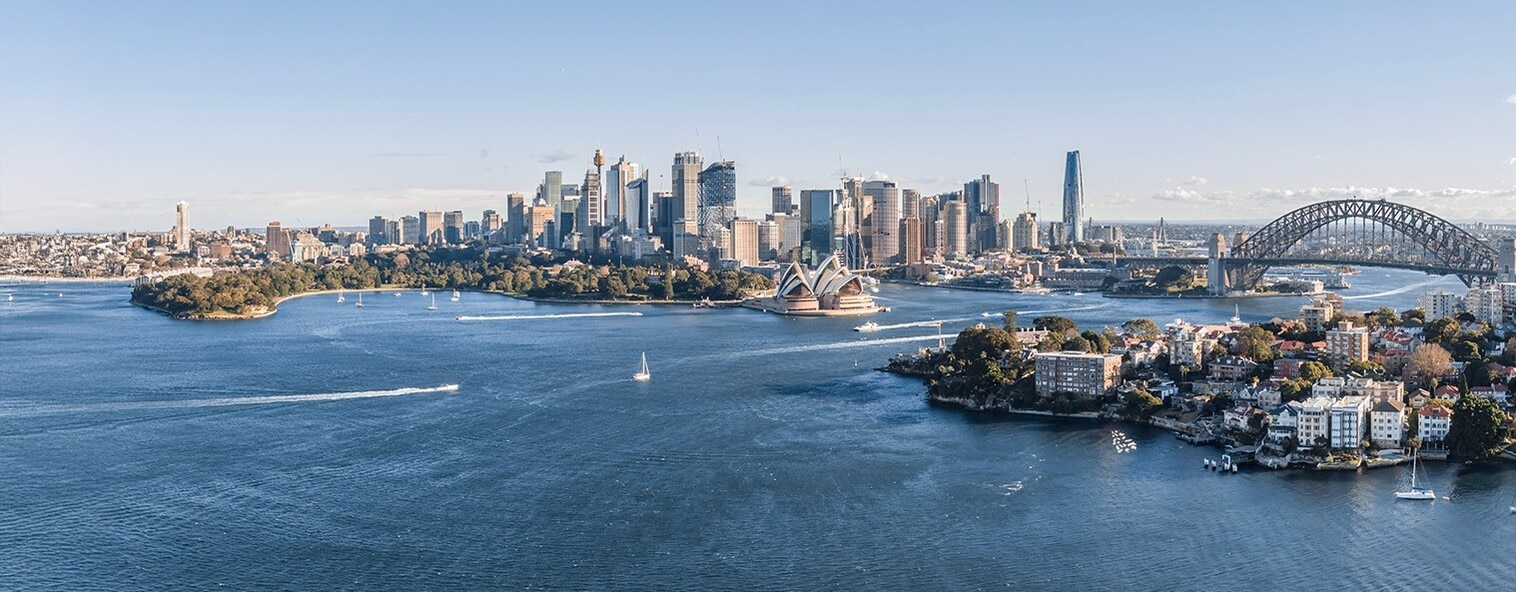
(829, 290)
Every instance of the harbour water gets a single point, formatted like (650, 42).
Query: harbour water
(311, 451)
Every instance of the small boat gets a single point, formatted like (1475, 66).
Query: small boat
(341, 297)
(455, 295)
(868, 327)
(423, 290)
(1077, 294)
(643, 375)
(360, 300)
(433, 305)
(10, 297)
(1415, 492)
(986, 314)
(397, 294)
(60, 294)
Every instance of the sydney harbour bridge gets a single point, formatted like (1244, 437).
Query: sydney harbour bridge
(1359, 232)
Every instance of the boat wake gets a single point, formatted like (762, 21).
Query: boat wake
(822, 346)
(1062, 310)
(568, 315)
(1392, 292)
(41, 410)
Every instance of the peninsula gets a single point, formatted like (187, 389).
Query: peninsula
(1353, 390)
(560, 277)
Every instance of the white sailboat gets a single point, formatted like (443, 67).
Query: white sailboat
(1415, 492)
(423, 290)
(433, 305)
(643, 375)
(360, 300)
(456, 295)
(341, 297)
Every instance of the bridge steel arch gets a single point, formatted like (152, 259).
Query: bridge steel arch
(1451, 246)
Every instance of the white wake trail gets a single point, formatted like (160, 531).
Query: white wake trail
(218, 402)
(1392, 292)
(828, 346)
(568, 315)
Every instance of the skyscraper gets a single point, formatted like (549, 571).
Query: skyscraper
(552, 188)
(884, 221)
(910, 203)
(515, 217)
(744, 237)
(618, 205)
(378, 231)
(181, 226)
(718, 196)
(638, 200)
(955, 225)
(816, 220)
(276, 242)
(452, 227)
(394, 232)
(1073, 199)
(410, 230)
(589, 214)
(430, 232)
(784, 200)
(686, 194)
(982, 203)
(1024, 232)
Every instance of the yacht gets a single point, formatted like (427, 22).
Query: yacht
(868, 327)
(423, 290)
(341, 297)
(360, 300)
(643, 375)
(433, 305)
(1415, 492)
(456, 295)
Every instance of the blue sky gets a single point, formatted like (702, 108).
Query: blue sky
(258, 111)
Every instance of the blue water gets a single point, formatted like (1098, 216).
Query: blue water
(763, 454)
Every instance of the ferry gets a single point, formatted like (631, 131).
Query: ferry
(868, 327)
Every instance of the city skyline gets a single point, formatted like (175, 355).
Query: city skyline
(335, 115)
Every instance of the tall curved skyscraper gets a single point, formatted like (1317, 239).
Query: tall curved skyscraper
(1073, 199)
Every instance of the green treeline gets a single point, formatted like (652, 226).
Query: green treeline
(541, 277)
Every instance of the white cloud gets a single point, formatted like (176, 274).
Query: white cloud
(769, 182)
(1511, 162)
(878, 176)
(555, 156)
(1452, 202)
(1195, 181)
(1511, 99)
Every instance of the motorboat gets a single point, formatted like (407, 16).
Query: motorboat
(868, 327)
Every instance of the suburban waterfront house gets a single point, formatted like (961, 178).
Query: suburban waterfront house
(1350, 418)
(1432, 423)
(1387, 423)
(1313, 421)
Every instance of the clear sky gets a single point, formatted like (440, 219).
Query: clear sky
(332, 112)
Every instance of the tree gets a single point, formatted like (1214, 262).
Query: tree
(1428, 361)
(1050, 343)
(1143, 328)
(1313, 371)
(1008, 320)
(1363, 367)
(1385, 316)
(1098, 343)
(1078, 344)
(1055, 324)
(1441, 331)
(1467, 350)
(1414, 316)
(1139, 400)
(1173, 277)
(982, 342)
(1475, 430)
(1294, 390)
(1257, 343)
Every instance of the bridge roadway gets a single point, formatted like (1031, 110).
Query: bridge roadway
(1428, 268)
